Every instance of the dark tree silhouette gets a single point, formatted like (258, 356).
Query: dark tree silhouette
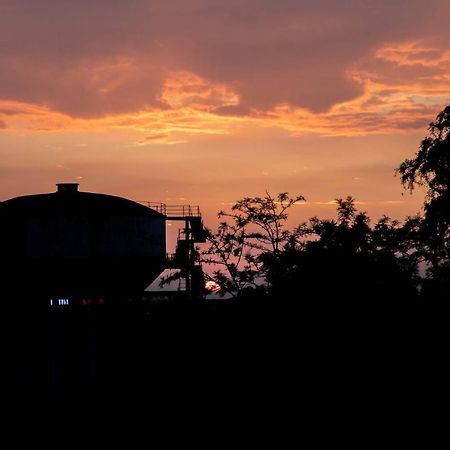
(267, 216)
(345, 276)
(431, 169)
(237, 249)
(431, 166)
(234, 268)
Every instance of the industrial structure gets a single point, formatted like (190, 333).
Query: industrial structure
(74, 247)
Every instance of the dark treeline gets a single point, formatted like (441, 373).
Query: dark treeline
(319, 314)
(373, 285)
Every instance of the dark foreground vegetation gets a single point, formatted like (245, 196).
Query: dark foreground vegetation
(328, 310)
(368, 285)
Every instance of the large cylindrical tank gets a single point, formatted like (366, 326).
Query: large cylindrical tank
(79, 243)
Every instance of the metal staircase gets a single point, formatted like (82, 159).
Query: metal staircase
(191, 233)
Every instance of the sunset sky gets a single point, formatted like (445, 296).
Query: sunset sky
(205, 101)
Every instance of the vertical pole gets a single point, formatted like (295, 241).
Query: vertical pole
(187, 235)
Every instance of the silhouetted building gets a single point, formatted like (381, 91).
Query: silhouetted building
(78, 246)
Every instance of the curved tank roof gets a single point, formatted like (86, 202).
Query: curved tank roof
(71, 201)
(77, 243)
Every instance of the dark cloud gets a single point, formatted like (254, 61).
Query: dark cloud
(154, 137)
(88, 58)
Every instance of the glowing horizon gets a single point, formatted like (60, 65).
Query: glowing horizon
(208, 102)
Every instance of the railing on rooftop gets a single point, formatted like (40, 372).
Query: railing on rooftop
(174, 210)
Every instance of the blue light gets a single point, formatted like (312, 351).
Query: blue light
(59, 302)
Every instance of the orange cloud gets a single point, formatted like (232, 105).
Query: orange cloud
(193, 103)
(414, 53)
(387, 105)
(160, 138)
(164, 125)
(187, 89)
